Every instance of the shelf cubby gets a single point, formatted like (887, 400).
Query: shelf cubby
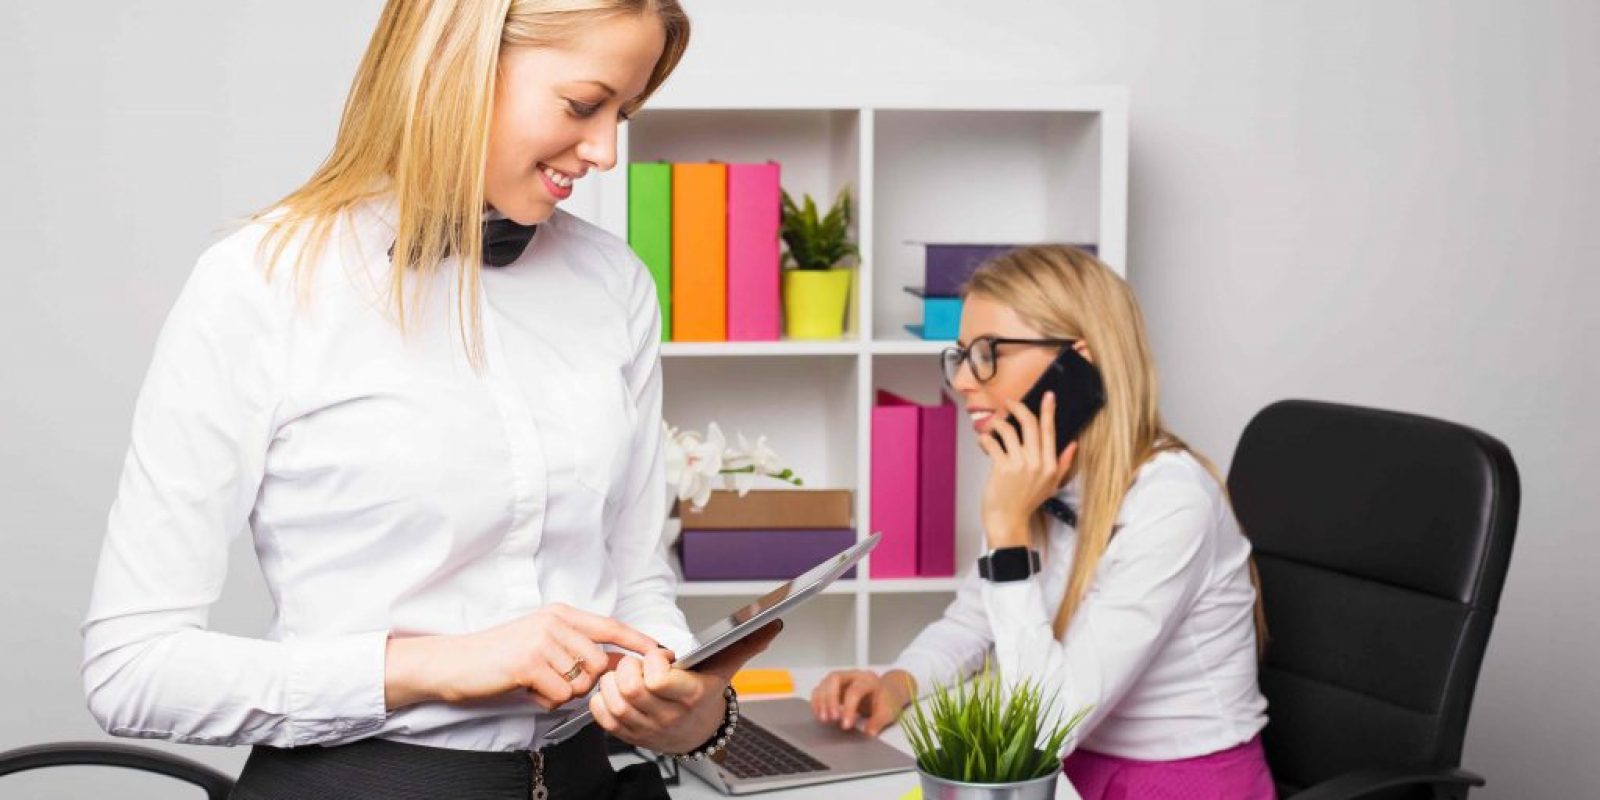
(926, 163)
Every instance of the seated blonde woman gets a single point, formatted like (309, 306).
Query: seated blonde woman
(1141, 604)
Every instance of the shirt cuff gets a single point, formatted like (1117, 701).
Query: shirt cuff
(1013, 607)
(921, 668)
(336, 687)
(668, 633)
(681, 643)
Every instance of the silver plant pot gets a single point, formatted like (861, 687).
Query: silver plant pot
(934, 788)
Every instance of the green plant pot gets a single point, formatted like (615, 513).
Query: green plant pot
(814, 302)
(936, 788)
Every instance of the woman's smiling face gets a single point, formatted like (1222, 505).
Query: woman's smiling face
(556, 112)
(1016, 367)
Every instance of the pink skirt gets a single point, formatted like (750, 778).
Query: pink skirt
(1238, 773)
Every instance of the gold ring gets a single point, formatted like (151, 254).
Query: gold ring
(577, 669)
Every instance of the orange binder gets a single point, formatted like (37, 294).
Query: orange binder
(699, 252)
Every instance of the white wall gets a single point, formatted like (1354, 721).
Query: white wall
(1378, 202)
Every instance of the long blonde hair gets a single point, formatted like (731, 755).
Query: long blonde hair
(416, 127)
(1064, 292)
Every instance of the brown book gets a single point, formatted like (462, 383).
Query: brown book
(770, 508)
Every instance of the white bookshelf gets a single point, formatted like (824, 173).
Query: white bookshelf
(926, 163)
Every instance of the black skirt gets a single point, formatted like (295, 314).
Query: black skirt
(378, 769)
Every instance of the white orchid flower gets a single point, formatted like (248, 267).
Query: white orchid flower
(702, 469)
(680, 475)
(695, 488)
(756, 461)
(743, 482)
(697, 465)
(764, 458)
(736, 465)
(675, 457)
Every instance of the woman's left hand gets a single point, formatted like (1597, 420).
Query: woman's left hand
(649, 703)
(1024, 473)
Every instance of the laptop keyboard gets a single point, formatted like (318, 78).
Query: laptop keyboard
(754, 752)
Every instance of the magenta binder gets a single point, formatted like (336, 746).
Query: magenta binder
(913, 488)
(753, 252)
(895, 507)
(936, 492)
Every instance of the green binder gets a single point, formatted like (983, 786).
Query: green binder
(650, 229)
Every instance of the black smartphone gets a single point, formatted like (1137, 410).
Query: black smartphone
(1080, 393)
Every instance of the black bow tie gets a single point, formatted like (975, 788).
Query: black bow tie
(503, 241)
(1058, 508)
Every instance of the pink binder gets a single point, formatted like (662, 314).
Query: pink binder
(936, 529)
(753, 252)
(894, 486)
(913, 488)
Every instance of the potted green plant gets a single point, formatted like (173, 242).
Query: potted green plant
(816, 290)
(978, 741)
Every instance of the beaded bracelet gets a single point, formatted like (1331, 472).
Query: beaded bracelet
(718, 740)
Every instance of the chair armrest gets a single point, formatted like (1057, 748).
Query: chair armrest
(216, 785)
(1448, 784)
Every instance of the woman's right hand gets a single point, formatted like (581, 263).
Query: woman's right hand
(529, 653)
(848, 695)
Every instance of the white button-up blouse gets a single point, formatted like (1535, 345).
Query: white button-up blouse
(389, 489)
(1162, 650)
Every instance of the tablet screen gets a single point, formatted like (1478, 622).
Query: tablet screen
(818, 577)
(750, 618)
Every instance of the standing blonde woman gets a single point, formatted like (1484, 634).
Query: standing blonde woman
(433, 399)
(1142, 605)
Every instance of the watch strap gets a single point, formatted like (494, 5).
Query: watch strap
(1008, 564)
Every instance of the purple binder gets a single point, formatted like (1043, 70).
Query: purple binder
(769, 554)
(948, 266)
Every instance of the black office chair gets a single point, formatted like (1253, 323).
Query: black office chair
(217, 786)
(1382, 540)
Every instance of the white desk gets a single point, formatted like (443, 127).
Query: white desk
(883, 787)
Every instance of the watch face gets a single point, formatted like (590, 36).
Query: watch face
(1009, 564)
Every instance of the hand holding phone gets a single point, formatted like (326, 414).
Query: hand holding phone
(1064, 399)
(1080, 394)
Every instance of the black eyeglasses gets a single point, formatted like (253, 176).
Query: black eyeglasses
(984, 356)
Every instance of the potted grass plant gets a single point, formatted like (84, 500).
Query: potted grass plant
(979, 741)
(816, 287)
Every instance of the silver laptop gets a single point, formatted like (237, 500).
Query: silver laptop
(780, 745)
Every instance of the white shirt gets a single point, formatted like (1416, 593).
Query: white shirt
(387, 487)
(1163, 646)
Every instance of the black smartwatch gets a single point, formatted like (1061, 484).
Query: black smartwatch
(1008, 564)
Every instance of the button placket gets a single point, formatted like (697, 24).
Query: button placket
(528, 467)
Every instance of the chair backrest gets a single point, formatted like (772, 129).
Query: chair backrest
(216, 785)
(1382, 541)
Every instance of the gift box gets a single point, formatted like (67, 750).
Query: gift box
(771, 508)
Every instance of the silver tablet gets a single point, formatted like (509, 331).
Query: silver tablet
(753, 617)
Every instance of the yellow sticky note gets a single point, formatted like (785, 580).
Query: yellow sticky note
(763, 681)
(914, 794)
